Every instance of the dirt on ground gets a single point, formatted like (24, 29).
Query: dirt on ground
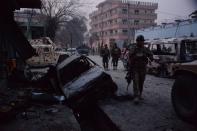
(154, 113)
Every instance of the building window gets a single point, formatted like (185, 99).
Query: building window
(111, 32)
(136, 22)
(105, 23)
(137, 12)
(115, 21)
(124, 21)
(115, 11)
(110, 22)
(124, 11)
(95, 18)
(124, 31)
(111, 12)
(116, 32)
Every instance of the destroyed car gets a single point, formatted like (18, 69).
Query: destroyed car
(79, 79)
(46, 50)
(184, 90)
(168, 52)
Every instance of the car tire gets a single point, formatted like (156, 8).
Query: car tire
(184, 98)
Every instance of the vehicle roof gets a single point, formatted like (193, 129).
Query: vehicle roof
(67, 61)
(40, 41)
(171, 40)
(42, 45)
(71, 49)
(191, 38)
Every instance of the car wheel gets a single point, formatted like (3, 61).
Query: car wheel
(184, 98)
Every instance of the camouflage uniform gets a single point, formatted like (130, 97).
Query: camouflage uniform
(138, 61)
(105, 54)
(115, 53)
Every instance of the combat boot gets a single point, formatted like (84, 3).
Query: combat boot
(136, 100)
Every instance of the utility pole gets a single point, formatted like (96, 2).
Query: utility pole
(178, 23)
(71, 39)
(29, 19)
(102, 25)
(128, 22)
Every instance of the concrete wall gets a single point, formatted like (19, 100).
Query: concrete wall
(185, 28)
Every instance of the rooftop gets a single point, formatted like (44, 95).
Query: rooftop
(136, 3)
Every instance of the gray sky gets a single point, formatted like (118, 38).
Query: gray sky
(168, 10)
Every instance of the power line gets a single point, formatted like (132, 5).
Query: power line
(169, 13)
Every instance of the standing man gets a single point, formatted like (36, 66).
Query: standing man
(138, 60)
(115, 53)
(105, 54)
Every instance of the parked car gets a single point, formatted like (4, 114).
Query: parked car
(83, 50)
(71, 51)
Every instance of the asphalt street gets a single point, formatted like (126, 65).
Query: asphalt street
(154, 113)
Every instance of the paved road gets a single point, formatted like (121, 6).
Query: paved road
(155, 113)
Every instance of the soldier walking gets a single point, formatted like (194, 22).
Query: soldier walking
(138, 60)
(115, 53)
(105, 54)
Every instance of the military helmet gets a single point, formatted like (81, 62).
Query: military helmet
(140, 38)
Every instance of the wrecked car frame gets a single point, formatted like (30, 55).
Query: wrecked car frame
(168, 52)
(79, 79)
(82, 80)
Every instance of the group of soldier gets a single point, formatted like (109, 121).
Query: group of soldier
(115, 53)
(139, 56)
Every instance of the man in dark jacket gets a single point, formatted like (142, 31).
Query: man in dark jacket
(139, 58)
(115, 53)
(105, 54)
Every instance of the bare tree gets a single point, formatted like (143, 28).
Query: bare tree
(72, 33)
(58, 12)
(94, 37)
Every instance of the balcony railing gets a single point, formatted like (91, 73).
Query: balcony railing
(151, 16)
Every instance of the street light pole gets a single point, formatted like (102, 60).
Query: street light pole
(128, 23)
(71, 39)
(102, 26)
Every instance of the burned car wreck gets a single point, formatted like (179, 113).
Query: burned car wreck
(78, 78)
(76, 82)
(82, 80)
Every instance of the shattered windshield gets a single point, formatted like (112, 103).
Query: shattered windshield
(74, 69)
(191, 47)
(164, 49)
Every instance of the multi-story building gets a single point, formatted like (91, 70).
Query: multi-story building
(31, 23)
(117, 20)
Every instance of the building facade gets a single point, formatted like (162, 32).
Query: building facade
(117, 20)
(180, 28)
(11, 38)
(31, 23)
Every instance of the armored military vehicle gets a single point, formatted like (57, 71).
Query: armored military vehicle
(168, 52)
(184, 91)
